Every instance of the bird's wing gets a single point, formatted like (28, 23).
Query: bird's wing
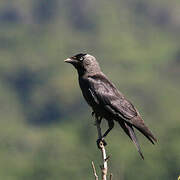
(107, 95)
(110, 98)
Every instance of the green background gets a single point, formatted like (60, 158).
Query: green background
(46, 130)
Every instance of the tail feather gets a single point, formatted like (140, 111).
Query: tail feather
(146, 135)
(130, 132)
(138, 123)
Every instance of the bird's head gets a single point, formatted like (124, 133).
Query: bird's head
(84, 63)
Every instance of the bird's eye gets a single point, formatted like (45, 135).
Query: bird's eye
(81, 58)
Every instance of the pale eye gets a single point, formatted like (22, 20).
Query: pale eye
(81, 58)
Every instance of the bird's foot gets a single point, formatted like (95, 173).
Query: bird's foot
(101, 142)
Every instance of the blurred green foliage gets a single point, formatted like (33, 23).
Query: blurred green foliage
(46, 129)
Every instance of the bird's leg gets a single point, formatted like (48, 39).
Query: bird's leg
(100, 138)
(111, 125)
(94, 115)
(98, 123)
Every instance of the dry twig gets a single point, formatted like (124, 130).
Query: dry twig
(101, 145)
(104, 167)
(94, 171)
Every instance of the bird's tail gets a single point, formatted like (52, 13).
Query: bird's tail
(128, 129)
(138, 123)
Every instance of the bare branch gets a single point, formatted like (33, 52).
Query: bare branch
(104, 167)
(94, 171)
(101, 145)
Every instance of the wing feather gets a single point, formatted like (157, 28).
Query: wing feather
(108, 96)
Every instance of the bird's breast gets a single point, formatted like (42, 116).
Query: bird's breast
(88, 93)
(92, 99)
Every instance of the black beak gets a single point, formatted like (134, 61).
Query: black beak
(70, 60)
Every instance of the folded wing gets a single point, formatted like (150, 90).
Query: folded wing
(108, 96)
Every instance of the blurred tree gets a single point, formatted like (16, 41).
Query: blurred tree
(10, 15)
(81, 16)
(44, 11)
(24, 83)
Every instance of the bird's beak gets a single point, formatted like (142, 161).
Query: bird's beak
(70, 60)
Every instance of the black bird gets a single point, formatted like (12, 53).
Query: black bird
(106, 101)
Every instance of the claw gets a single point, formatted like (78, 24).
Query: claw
(99, 141)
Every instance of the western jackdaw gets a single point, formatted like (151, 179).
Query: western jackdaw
(106, 101)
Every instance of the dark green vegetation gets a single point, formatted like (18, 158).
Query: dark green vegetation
(46, 131)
